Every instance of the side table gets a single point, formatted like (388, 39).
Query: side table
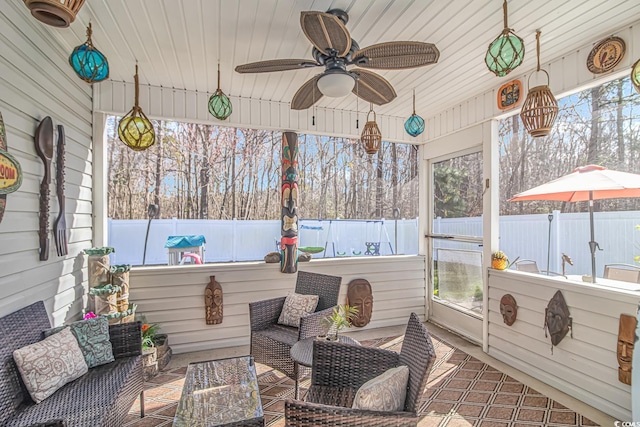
(302, 354)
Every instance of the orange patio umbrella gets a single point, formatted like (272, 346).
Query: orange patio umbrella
(590, 183)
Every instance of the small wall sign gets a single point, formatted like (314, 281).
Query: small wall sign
(606, 55)
(10, 170)
(509, 94)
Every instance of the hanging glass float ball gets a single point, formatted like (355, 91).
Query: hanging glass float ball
(89, 63)
(136, 132)
(220, 105)
(414, 125)
(635, 75)
(505, 53)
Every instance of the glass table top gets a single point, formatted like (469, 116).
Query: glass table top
(219, 392)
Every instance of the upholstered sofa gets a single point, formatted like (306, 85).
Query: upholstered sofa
(101, 397)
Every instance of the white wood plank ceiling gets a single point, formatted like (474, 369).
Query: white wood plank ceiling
(178, 43)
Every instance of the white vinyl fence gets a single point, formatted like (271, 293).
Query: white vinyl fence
(233, 240)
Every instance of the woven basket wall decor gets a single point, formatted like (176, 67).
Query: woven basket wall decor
(57, 13)
(540, 108)
(371, 136)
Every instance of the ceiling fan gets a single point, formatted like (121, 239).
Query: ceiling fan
(334, 49)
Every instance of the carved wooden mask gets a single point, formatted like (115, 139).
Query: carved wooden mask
(557, 320)
(626, 336)
(213, 302)
(359, 295)
(508, 309)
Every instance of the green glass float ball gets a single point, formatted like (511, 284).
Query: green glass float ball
(504, 54)
(635, 75)
(414, 125)
(136, 133)
(89, 64)
(220, 105)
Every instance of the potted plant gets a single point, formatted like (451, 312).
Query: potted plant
(339, 319)
(149, 351)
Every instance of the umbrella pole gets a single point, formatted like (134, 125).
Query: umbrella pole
(592, 244)
(549, 244)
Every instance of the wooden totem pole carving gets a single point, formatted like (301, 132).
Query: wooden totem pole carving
(213, 302)
(289, 205)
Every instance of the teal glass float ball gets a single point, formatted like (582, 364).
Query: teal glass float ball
(505, 53)
(414, 125)
(89, 64)
(220, 105)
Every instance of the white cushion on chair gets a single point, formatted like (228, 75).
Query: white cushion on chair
(296, 306)
(386, 392)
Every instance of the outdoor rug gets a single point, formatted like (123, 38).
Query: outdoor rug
(462, 391)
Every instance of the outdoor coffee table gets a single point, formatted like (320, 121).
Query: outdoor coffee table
(302, 354)
(220, 392)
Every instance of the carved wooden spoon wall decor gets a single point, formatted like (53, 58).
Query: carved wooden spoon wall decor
(44, 148)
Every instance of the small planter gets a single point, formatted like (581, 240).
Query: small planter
(149, 363)
(163, 350)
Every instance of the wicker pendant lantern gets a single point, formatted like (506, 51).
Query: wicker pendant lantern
(135, 130)
(88, 62)
(414, 124)
(506, 52)
(635, 75)
(540, 109)
(219, 103)
(371, 136)
(57, 13)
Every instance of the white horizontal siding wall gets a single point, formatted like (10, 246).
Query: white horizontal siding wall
(567, 74)
(174, 296)
(157, 102)
(584, 366)
(36, 81)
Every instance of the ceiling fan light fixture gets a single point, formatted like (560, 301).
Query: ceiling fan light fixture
(336, 85)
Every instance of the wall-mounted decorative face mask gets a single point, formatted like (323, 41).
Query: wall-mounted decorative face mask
(626, 336)
(359, 295)
(557, 320)
(213, 302)
(508, 309)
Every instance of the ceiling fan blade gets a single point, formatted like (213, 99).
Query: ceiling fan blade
(326, 32)
(307, 95)
(373, 88)
(397, 55)
(275, 65)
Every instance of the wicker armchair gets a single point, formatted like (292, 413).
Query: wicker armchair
(270, 342)
(340, 369)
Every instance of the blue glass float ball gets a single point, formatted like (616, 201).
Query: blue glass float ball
(220, 105)
(414, 125)
(89, 64)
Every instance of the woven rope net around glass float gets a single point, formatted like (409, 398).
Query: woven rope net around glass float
(540, 109)
(219, 104)
(635, 75)
(371, 136)
(57, 13)
(506, 52)
(88, 62)
(414, 124)
(135, 129)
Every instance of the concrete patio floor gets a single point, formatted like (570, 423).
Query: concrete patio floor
(466, 388)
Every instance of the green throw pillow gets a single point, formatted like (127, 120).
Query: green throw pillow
(93, 339)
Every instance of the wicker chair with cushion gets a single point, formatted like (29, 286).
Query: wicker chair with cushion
(271, 342)
(339, 370)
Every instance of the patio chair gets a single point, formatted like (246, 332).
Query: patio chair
(623, 272)
(271, 342)
(531, 266)
(339, 370)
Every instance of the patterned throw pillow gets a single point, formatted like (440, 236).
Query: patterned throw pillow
(93, 339)
(386, 392)
(296, 306)
(49, 364)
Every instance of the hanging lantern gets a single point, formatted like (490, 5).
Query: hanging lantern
(540, 108)
(371, 136)
(57, 13)
(219, 103)
(88, 62)
(635, 75)
(135, 130)
(506, 52)
(414, 124)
